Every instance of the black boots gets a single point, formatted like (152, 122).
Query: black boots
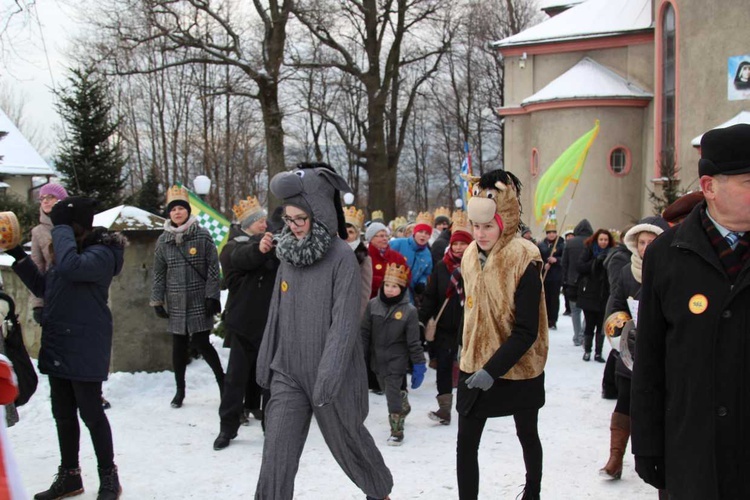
(222, 441)
(179, 396)
(109, 484)
(67, 483)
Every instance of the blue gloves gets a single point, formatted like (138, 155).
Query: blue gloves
(417, 375)
(480, 380)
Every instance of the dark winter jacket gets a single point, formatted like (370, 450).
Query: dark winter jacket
(625, 286)
(691, 391)
(390, 335)
(617, 258)
(439, 246)
(593, 285)
(573, 250)
(447, 333)
(77, 323)
(555, 272)
(185, 275)
(249, 275)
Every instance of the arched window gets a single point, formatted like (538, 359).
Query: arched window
(668, 105)
(619, 161)
(534, 162)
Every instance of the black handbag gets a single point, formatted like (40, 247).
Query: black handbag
(16, 352)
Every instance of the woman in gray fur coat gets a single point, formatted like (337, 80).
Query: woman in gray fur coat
(311, 357)
(186, 288)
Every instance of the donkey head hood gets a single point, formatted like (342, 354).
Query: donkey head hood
(497, 194)
(314, 188)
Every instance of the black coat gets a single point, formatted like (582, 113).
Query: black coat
(555, 273)
(451, 321)
(249, 275)
(691, 378)
(439, 246)
(593, 285)
(624, 286)
(574, 247)
(77, 323)
(617, 259)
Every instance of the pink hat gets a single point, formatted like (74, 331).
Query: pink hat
(55, 190)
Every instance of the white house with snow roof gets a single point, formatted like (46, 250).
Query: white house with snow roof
(20, 162)
(653, 72)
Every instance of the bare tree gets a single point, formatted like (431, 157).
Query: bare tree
(388, 49)
(13, 103)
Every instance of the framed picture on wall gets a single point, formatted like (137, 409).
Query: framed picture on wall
(738, 77)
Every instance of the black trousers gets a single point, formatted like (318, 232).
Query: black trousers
(199, 341)
(593, 324)
(552, 299)
(239, 385)
(445, 358)
(623, 395)
(69, 397)
(609, 384)
(467, 464)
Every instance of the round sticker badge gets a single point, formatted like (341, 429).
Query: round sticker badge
(469, 302)
(379, 266)
(398, 315)
(193, 251)
(284, 286)
(698, 304)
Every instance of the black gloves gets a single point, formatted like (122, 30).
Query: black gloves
(161, 312)
(213, 307)
(37, 315)
(419, 288)
(17, 253)
(61, 214)
(651, 470)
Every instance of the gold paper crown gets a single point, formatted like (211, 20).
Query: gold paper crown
(377, 214)
(399, 222)
(616, 321)
(460, 222)
(354, 217)
(246, 208)
(177, 193)
(551, 224)
(397, 274)
(424, 218)
(442, 212)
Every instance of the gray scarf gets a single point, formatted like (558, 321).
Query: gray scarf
(308, 250)
(179, 232)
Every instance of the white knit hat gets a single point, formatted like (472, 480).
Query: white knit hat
(373, 229)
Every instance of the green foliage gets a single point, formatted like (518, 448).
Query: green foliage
(149, 198)
(90, 157)
(27, 213)
(669, 191)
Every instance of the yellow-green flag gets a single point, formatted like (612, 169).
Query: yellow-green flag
(213, 221)
(566, 169)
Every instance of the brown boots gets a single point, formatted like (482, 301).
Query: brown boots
(443, 415)
(619, 434)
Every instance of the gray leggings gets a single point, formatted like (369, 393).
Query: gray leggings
(391, 385)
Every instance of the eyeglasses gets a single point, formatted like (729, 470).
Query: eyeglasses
(297, 221)
(48, 197)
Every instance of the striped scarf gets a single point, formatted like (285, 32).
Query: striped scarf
(732, 260)
(453, 264)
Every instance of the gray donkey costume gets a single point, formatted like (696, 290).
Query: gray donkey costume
(311, 357)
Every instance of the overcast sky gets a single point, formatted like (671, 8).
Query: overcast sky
(24, 66)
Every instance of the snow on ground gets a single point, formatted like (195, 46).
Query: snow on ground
(165, 453)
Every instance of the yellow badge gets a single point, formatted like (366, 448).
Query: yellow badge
(284, 286)
(698, 304)
(469, 302)
(193, 251)
(398, 315)
(378, 266)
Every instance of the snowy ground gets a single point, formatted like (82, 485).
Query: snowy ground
(166, 453)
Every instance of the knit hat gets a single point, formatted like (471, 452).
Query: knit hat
(461, 228)
(652, 224)
(373, 229)
(178, 196)
(55, 190)
(461, 236)
(725, 151)
(424, 223)
(442, 216)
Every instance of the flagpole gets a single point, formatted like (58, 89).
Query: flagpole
(562, 224)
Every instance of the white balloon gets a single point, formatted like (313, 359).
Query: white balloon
(348, 198)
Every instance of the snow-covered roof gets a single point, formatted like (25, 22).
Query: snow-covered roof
(590, 19)
(555, 4)
(742, 117)
(588, 80)
(127, 218)
(19, 156)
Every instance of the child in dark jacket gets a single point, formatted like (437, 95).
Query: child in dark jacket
(390, 334)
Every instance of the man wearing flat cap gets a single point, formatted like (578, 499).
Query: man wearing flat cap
(690, 405)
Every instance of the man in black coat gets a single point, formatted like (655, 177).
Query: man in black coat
(249, 264)
(573, 250)
(690, 404)
(553, 272)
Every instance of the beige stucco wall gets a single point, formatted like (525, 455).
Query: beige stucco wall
(19, 185)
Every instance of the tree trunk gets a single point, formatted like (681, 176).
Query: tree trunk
(274, 133)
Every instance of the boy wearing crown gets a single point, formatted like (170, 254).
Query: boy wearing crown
(416, 251)
(390, 336)
(249, 264)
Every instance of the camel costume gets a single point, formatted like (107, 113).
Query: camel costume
(505, 339)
